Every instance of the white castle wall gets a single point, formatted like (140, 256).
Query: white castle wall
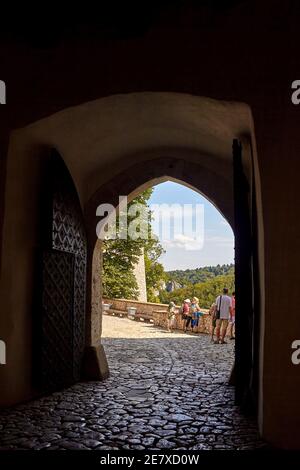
(140, 275)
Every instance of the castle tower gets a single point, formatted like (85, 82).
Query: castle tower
(140, 275)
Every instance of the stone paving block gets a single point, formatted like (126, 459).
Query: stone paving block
(176, 398)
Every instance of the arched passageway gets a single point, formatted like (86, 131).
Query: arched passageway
(118, 142)
(220, 191)
(133, 181)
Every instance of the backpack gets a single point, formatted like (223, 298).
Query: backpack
(218, 310)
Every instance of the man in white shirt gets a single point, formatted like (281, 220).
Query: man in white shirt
(223, 315)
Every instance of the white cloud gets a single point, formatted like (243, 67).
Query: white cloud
(184, 242)
(220, 241)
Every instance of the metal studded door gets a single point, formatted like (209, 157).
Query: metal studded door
(244, 286)
(63, 281)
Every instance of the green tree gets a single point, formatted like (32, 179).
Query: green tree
(155, 273)
(206, 292)
(194, 276)
(120, 257)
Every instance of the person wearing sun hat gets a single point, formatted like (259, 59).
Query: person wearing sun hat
(195, 312)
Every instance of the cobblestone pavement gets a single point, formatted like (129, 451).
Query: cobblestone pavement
(166, 391)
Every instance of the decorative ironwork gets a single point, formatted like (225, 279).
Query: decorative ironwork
(64, 283)
(57, 332)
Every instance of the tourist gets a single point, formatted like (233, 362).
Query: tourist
(196, 313)
(232, 318)
(212, 313)
(186, 314)
(171, 317)
(223, 314)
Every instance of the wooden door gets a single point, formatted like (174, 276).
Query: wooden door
(246, 346)
(63, 280)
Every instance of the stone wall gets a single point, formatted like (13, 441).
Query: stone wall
(140, 275)
(204, 325)
(142, 307)
(159, 313)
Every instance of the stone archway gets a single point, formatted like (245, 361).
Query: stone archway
(132, 181)
(125, 141)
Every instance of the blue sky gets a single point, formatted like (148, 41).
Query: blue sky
(182, 252)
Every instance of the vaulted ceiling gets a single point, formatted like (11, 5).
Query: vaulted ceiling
(102, 138)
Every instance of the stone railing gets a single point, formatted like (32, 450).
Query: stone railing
(142, 307)
(160, 318)
(158, 313)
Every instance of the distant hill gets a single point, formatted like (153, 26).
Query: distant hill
(194, 276)
(205, 283)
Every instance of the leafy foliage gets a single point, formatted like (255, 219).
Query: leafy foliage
(194, 276)
(155, 274)
(121, 255)
(206, 292)
(119, 258)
